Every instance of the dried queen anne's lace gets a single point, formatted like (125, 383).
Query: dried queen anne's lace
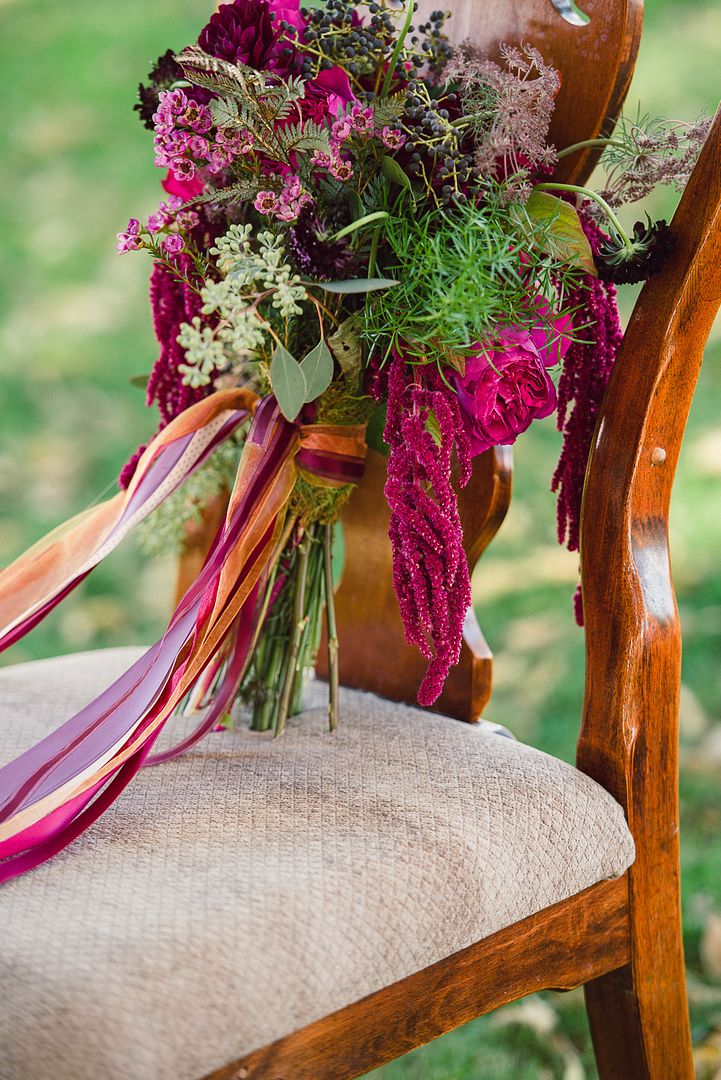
(646, 153)
(509, 107)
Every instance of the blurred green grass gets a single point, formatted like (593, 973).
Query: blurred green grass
(75, 326)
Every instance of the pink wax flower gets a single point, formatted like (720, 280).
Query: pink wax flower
(184, 169)
(130, 239)
(187, 219)
(236, 142)
(198, 146)
(157, 222)
(173, 244)
(127, 243)
(505, 389)
(197, 117)
(393, 138)
(185, 189)
(340, 169)
(362, 118)
(292, 199)
(219, 159)
(266, 202)
(341, 130)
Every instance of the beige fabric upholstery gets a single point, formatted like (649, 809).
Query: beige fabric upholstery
(254, 886)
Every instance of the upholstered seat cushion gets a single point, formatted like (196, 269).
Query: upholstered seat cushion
(255, 885)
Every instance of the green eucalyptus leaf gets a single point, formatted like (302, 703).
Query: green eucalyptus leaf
(317, 368)
(393, 172)
(288, 382)
(434, 428)
(139, 381)
(355, 205)
(375, 429)
(561, 234)
(347, 347)
(356, 285)
(360, 223)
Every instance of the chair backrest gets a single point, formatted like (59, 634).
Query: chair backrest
(633, 642)
(629, 735)
(596, 61)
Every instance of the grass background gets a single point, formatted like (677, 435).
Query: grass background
(75, 326)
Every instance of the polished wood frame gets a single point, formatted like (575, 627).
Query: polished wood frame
(621, 939)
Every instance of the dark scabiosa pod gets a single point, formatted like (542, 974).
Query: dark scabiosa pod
(316, 254)
(163, 74)
(628, 263)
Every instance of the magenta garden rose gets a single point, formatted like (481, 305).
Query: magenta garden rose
(503, 390)
(327, 95)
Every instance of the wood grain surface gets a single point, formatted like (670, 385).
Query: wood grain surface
(629, 737)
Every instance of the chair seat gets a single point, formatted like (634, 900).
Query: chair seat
(254, 885)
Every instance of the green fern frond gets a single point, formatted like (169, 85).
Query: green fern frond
(225, 112)
(307, 137)
(218, 75)
(242, 191)
(279, 99)
(388, 110)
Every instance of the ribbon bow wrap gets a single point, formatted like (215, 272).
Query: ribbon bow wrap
(56, 789)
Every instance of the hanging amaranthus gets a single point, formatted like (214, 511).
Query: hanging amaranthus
(586, 370)
(430, 569)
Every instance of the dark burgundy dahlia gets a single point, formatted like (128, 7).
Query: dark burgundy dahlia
(244, 32)
(315, 254)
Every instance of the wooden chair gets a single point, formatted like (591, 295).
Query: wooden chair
(621, 938)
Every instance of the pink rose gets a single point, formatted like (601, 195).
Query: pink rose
(186, 189)
(504, 390)
(327, 95)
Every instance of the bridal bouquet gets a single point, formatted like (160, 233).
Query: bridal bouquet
(360, 244)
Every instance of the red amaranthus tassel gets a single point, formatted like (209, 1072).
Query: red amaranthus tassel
(586, 370)
(430, 569)
(172, 302)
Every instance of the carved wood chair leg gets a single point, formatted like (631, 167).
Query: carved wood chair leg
(639, 1013)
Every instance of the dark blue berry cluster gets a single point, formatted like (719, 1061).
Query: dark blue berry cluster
(436, 144)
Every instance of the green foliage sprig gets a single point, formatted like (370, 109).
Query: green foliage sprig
(461, 277)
